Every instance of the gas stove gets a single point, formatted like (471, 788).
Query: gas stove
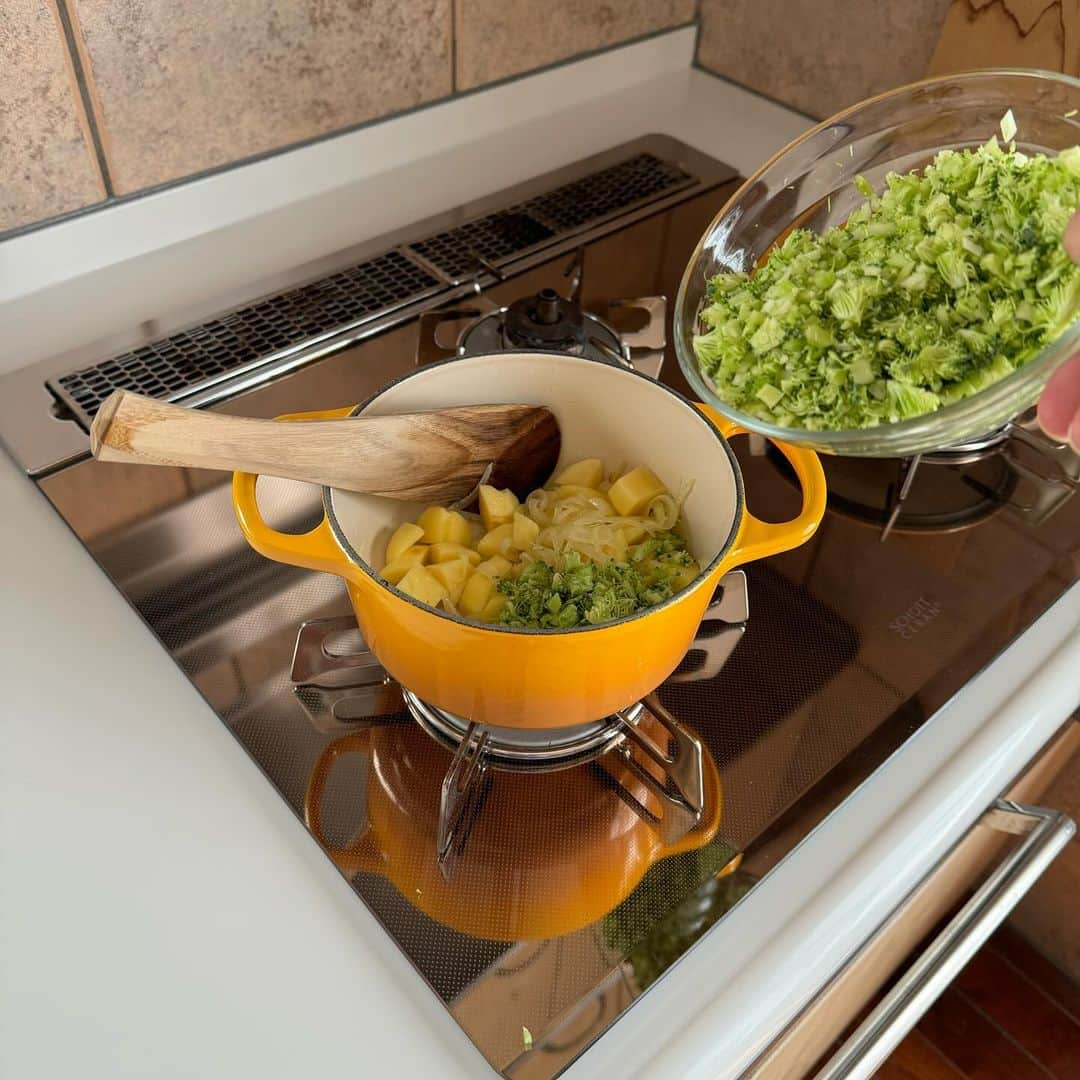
(541, 885)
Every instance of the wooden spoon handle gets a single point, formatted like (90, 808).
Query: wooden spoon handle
(410, 456)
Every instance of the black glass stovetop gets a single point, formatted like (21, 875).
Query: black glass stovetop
(566, 901)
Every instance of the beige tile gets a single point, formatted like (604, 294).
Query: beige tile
(185, 87)
(819, 57)
(498, 38)
(46, 161)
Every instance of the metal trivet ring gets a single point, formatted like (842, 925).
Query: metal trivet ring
(531, 750)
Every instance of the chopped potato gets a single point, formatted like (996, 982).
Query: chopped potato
(420, 584)
(397, 568)
(496, 506)
(442, 526)
(447, 552)
(517, 567)
(491, 611)
(633, 492)
(684, 576)
(524, 532)
(497, 542)
(404, 537)
(495, 567)
(452, 576)
(587, 473)
(477, 592)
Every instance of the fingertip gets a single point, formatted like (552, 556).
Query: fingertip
(1071, 240)
(1059, 403)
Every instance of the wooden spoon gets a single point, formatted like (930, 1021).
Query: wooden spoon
(437, 456)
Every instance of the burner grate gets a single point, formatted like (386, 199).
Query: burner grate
(168, 368)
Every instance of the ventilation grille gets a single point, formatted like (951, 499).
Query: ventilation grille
(457, 252)
(496, 239)
(180, 365)
(615, 189)
(167, 368)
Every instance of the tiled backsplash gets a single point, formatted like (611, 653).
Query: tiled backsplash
(104, 98)
(820, 56)
(173, 89)
(499, 38)
(47, 165)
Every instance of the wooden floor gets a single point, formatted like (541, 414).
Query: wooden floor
(1009, 1015)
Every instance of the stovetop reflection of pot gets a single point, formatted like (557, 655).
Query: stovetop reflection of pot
(549, 854)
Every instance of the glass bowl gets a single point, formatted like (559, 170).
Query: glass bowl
(809, 184)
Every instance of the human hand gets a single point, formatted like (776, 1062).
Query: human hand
(1059, 405)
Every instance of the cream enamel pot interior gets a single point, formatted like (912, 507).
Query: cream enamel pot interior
(543, 678)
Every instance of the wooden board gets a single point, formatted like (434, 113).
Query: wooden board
(1009, 33)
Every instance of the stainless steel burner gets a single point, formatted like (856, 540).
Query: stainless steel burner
(1015, 468)
(524, 748)
(586, 335)
(547, 322)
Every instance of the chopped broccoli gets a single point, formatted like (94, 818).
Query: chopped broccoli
(583, 592)
(944, 283)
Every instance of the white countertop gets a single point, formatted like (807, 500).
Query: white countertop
(162, 913)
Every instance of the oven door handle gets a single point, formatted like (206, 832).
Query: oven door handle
(1047, 832)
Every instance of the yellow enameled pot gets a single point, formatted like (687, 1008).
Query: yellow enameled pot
(544, 678)
(548, 853)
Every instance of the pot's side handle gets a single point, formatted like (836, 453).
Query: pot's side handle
(758, 539)
(361, 854)
(314, 550)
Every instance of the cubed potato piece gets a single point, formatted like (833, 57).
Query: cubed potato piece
(587, 473)
(495, 567)
(458, 529)
(404, 537)
(442, 526)
(492, 609)
(394, 571)
(452, 575)
(631, 493)
(496, 506)
(422, 585)
(685, 576)
(433, 522)
(524, 532)
(447, 552)
(498, 541)
(477, 592)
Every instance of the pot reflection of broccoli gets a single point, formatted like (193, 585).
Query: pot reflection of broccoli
(650, 942)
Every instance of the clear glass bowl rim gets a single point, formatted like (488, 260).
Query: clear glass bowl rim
(918, 434)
